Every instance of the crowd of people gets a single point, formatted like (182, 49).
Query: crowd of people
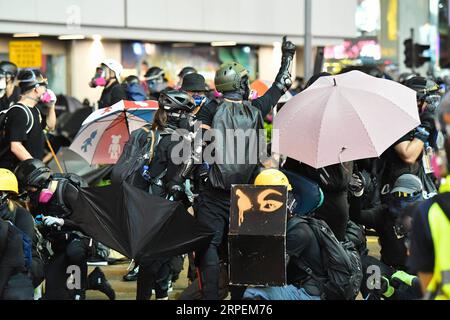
(401, 197)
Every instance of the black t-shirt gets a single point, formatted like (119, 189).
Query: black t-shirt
(111, 95)
(395, 166)
(264, 103)
(16, 131)
(302, 248)
(6, 102)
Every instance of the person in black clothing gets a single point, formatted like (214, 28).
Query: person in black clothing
(156, 82)
(52, 198)
(232, 80)
(108, 75)
(166, 178)
(384, 219)
(12, 92)
(333, 180)
(25, 122)
(405, 155)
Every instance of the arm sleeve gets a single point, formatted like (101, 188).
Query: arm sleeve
(206, 113)
(17, 125)
(421, 258)
(371, 218)
(267, 101)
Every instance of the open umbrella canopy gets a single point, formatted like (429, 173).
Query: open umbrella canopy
(137, 224)
(262, 86)
(104, 133)
(344, 118)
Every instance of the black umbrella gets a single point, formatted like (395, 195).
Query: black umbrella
(138, 224)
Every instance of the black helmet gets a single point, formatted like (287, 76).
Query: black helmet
(131, 80)
(176, 101)
(423, 86)
(154, 73)
(187, 70)
(9, 68)
(32, 173)
(29, 79)
(194, 82)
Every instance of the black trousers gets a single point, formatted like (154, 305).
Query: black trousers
(75, 254)
(213, 211)
(153, 274)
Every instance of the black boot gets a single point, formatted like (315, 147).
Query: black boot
(132, 275)
(98, 281)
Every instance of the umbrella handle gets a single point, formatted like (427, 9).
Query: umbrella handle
(340, 159)
(54, 154)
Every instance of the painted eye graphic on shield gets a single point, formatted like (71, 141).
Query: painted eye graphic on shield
(269, 205)
(266, 204)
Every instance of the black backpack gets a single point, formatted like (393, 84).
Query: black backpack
(341, 261)
(235, 116)
(137, 152)
(3, 120)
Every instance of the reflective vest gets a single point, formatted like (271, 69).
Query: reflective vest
(439, 287)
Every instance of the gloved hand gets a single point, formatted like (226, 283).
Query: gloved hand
(283, 79)
(402, 277)
(422, 134)
(356, 185)
(53, 221)
(428, 121)
(288, 48)
(387, 289)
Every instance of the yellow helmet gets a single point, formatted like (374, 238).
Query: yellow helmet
(8, 181)
(272, 177)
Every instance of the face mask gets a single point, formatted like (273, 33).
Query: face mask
(47, 194)
(46, 97)
(198, 100)
(433, 103)
(3, 200)
(99, 79)
(156, 86)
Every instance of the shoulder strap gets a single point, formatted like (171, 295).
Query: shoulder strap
(30, 118)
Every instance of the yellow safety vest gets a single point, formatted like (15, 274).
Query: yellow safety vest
(439, 287)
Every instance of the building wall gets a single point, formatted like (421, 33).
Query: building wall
(250, 21)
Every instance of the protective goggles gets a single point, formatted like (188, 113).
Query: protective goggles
(36, 80)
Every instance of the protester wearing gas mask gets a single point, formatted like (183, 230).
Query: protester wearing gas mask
(52, 198)
(156, 82)
(24, 137)
(107, 75)
(9, 92)
(194, 84)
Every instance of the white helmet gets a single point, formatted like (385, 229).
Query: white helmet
(114, 66)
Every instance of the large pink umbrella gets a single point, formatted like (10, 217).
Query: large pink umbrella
(344, 118)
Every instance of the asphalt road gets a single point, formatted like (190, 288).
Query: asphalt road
(127, 290)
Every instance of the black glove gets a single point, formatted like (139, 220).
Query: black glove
(356, 185)
(283, 80)
(428, 122)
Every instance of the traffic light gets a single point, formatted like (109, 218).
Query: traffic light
(420, 59)
(409, 53)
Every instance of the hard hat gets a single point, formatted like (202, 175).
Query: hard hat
(8, 181)
(272, 177)
(114, 66)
